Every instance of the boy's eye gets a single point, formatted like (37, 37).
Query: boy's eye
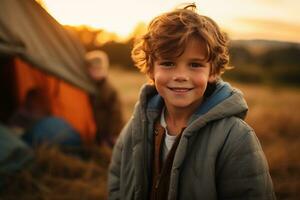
(196, 65)
(167, 64)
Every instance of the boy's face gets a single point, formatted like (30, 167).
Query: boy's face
(182, 81)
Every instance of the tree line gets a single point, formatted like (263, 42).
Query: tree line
(254, 61)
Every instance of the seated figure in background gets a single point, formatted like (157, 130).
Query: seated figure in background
(34, 108)
(33, 122)
(106, 102)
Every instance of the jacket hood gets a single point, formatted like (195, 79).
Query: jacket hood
(225, 101)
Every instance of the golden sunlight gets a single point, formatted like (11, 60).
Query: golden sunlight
(238, 18)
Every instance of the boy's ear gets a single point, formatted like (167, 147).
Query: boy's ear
(151, 74)
(212, 78)
(212, 74)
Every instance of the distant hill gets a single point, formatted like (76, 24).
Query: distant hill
(258, 46)
(265, 61)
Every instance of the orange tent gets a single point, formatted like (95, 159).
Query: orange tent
(65, 100)
(41, 53)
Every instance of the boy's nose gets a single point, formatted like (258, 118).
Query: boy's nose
(180, 77)
(180, 73)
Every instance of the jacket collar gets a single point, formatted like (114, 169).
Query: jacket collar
(225, 101)
(155, 103)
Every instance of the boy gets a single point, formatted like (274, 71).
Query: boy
(186, 139)
(106, 103)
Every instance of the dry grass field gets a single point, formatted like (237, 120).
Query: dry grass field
(274, 114)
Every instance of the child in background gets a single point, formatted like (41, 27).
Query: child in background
(187, 138)
(106, 103)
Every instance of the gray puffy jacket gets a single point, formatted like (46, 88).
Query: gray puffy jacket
(218, 157)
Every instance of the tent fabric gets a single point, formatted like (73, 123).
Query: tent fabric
(29, 32)
(65, 100)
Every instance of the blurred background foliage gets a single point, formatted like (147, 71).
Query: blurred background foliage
(254, 61)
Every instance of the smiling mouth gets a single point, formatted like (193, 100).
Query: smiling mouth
(180, 89)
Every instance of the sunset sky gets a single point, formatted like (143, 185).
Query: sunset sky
(242, 19)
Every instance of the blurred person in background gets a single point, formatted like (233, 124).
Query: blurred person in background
(106, 102)
(34, 108)
(34, 123)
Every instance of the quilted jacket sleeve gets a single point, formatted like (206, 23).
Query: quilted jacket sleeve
(114, 173)
(243, 171)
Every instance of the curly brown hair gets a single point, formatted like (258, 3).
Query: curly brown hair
(169, 33)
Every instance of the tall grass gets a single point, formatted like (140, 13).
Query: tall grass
(57, 175)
